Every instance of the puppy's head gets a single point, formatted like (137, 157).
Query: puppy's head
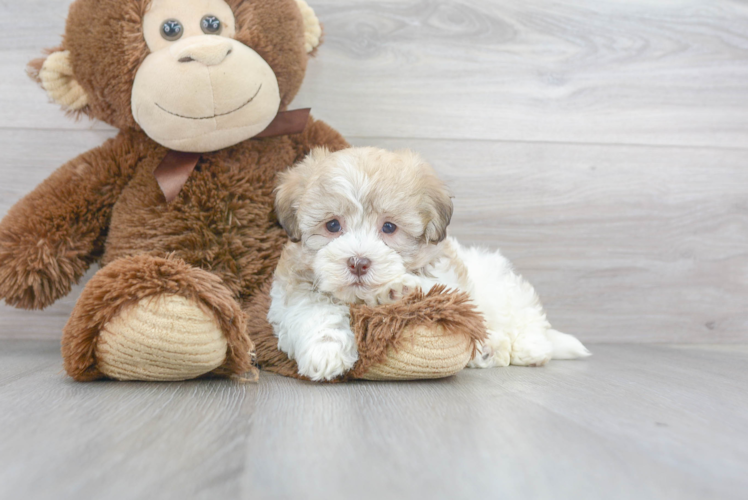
(363, 216)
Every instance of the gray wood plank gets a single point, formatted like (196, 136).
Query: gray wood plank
(600, 71)
(645, 422)
(632, 244)
(62, 439)
(33, 24)
(580, 71)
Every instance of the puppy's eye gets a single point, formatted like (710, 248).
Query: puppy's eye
(171, 30)
(333, 226)
(389, 228)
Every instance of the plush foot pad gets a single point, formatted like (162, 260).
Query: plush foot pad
(423, 352)
(166, 337)
(423, 336)
(153, 318)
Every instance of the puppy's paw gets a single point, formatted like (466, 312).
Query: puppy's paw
(496, 351)
(531, 350)
(398, 289)
(330, 355)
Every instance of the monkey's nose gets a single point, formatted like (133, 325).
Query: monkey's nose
(207, 50)
(359, 266)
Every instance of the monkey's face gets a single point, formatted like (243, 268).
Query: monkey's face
(194, 75)
(199, 89)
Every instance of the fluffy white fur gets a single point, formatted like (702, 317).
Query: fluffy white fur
(363, 189)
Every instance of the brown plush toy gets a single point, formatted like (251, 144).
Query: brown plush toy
(177, 208)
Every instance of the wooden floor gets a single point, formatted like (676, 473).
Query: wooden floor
(632, 422)
(601, 144)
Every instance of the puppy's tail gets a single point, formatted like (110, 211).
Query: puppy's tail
(566, 346)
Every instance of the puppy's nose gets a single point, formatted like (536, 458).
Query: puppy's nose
(359, 266)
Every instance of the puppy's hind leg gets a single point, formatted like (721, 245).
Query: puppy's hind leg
(481, 273)
(495, 351)
(531, 349)
(514, 316)
(531, 346)
(535, 341)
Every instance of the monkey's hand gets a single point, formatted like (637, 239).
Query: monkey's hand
(52, 235)
(36, 270)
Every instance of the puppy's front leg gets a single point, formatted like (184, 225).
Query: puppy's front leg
(397, 289)
(314, 331)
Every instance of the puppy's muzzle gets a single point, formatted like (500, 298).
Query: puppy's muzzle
(359, 266)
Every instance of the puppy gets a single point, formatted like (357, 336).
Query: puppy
(368, 225)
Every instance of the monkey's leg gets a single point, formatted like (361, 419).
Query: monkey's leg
(151, 318)
(422, 336)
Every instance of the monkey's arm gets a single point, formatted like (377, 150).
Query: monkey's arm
(52, 235)
(319, 134)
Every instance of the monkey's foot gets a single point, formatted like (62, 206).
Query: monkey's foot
(154, 319)
(165, 337)
(423, 336)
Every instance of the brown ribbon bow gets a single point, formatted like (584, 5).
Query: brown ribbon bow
(174, 170)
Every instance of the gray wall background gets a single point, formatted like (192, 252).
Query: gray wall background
(601, 144)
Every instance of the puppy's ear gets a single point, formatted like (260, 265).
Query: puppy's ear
(291, 187)
(438, 207)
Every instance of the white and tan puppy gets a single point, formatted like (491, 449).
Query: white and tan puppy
(368, 225)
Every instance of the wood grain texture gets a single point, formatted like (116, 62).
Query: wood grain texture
(644, 422)
(635, 72)
(601, 145)
(602, 71)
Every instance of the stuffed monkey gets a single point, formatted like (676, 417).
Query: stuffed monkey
(178, 208)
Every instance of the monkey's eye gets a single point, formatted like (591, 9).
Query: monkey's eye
(333, 226)
(210, 25)
(389, 228)
(171, 30)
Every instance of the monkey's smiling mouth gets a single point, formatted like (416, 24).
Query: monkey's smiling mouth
(214, 116)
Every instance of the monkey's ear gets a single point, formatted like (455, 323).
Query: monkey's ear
(293, 183)
(312, 27)
(55, 74)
